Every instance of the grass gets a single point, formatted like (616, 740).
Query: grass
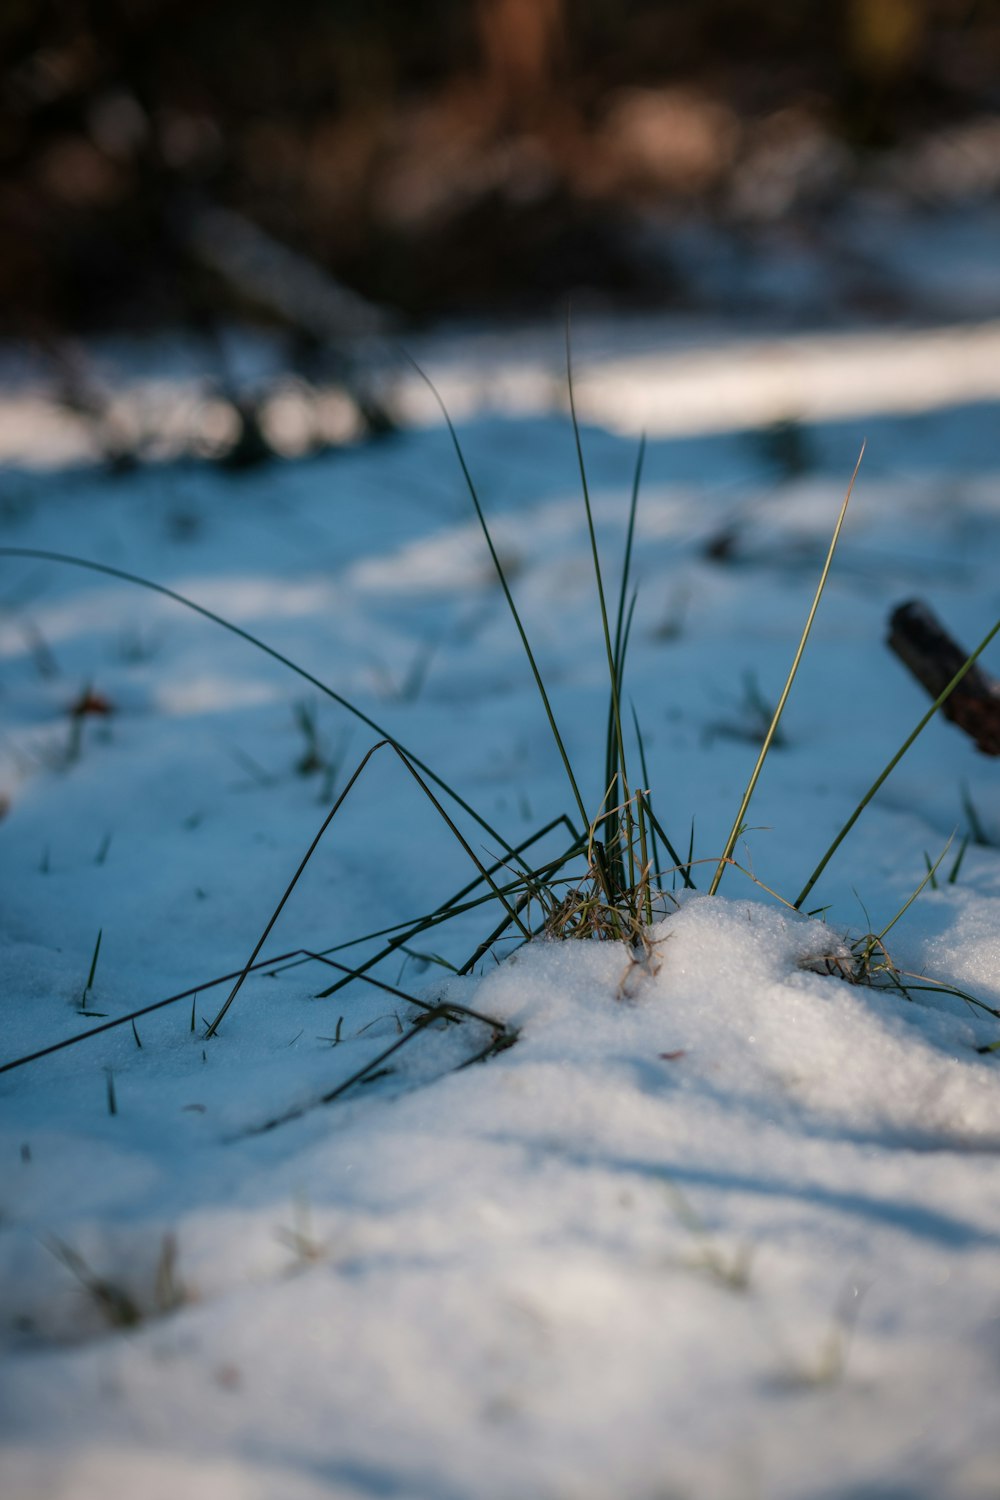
(607, 882)
(88, 987)
(118, 1303)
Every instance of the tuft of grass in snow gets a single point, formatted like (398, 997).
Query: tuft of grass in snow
(866, 960)
(119, 1305)
(619, 893)
(827, 1366)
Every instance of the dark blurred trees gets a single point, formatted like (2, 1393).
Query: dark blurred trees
(441, 155)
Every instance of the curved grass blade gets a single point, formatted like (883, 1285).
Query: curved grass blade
(108, 571)
(214, 1025)
(503, 1037)
(392, 989)
(544, 872)
(501, 575)
(455, 905)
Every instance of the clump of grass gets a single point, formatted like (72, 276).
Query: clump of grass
(866, 960)
(753, 718)
(307, 1248)
(729, 1269)
(315, 758)
(828, 1364)
(118, 1303)
(609, 882)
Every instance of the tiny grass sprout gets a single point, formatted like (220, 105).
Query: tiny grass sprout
(959, 857)
(300, 1239)
(977, 833)
(786, 445)
(829, 1364)
(337, 1038)
(754, 718)
(315, 759)
(120, 1306)
(116, 1304)
(312, 758)
(408, 687)
(258, 775)
(731, 1271)
(93, 970)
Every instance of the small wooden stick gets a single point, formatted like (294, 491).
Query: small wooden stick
(921, 642)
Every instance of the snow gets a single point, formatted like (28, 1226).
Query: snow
(719, 1224)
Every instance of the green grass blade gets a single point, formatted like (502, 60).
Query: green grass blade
(392, 989)
(929, 879)
(976, 829)
(93, 966)
(888, 769)
(602, 602)
(108, 571)
(501, 575)
(684, 867)
(645, 779)
(953, 872)
(740, 818)
(513, 888)
(512, 912)
(621, 635)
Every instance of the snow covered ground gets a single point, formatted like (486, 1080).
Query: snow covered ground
(720, 1225)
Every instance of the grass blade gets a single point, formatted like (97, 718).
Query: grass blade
(108, 571)
(888, 769)
(645, 777)
(622, 797)
(738, 821)
(214, 1026)
(501, 575)
(621, 631)
(929, 879)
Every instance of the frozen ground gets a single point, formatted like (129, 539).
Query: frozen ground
(720, 1226)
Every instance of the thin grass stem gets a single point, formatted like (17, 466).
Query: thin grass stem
(214, 1026)
(108, 571)
(888, 769)
(501, 575)
(738, 822)
(622, 799)
(927, 880)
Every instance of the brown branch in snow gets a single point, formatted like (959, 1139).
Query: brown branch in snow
(921, 642)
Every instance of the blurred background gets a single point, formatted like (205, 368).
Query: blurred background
(459, 156)
(330, 169)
